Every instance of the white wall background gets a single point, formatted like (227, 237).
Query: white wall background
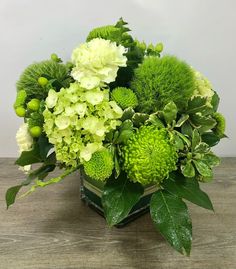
(200, 31)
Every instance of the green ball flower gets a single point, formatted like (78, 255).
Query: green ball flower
(100, 166)
(29, 78)
(20, 111)
(221, 124)
(124, 97)
(157, 81)
(149, 156)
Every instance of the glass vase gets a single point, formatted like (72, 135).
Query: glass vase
(91, 193)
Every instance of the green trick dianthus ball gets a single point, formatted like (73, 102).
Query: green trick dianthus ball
(219, 129)
(124, 97)
(149, 156)
(30, 76)
(157, 81)
(100, 166)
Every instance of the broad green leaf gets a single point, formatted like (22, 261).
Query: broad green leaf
(30, 157)
(204, 122)
(11, 195)
(203, 169)
(171, 218)
(155, 120)
(170, 112)
(196, 139)
(211, 139)
(211, 160)
(124, 136)
(182, 120)
(215, 100)
(188, 169)
(117, 165)
(119, 197)
(44, 146)
(127, 114)
(187, 188)
(139, 118)
(178, 142)
(202, 148)
(187, 129)
(196, 104)
(184, 138)
(126, 125)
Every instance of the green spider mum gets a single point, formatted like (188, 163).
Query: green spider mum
(157, 81)
(124, 97)
(28, 80)
(100, 166)
(149, 156)
(219, 129)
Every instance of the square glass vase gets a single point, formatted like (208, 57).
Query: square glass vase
(91, 193)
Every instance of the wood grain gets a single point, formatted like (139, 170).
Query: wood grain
(52, 228)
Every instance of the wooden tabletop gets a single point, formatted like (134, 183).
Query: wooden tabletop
(52, 228)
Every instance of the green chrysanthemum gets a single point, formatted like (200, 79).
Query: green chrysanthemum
(220, 126)
(157, 81)
(29, 78)
(100, 166)
(149, 156)
(124, 97)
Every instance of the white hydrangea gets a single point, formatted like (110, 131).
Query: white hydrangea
(97, 62)
(24, 141)
(203, 87)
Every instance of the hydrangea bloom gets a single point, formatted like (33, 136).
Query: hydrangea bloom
(203, 87)
(96, 62)
(77, 120)
(24, 141)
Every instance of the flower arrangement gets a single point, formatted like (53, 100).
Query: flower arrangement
(128, 118)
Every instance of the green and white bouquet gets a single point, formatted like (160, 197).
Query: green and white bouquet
(128, 118)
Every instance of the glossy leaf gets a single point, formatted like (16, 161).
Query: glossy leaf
(124, 136)
(139, 118)
(155, 120)
(187, 129)
(196, 105)
(118, 198)
(211, 160)
(211, 139)
(196, 139)
(182, 120)
(187, 188)
(203, 169)
(30, 157)
(215, 100)
(127, 114)
(11, 195)
(171, 218)
(44, 146)
(188, 169)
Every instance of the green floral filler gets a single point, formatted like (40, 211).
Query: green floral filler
(158, 81)
(100, 166)
(149, 156)
(124, 97)
(140, 123)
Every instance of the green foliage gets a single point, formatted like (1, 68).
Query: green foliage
(106, 32)
(118, 198)
(100, 166)
(187, 188)
(171, 218)
(157, 81)
(124, 97)
(50, 69)
(149, 156)
(219, 129)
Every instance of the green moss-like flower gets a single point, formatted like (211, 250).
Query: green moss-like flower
(124, 97)
(221, 124)
(105, 32)
(157, 81)
(100, 166)
(149, 156)
(29, 78)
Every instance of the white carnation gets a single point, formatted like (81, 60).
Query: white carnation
(97, 62)
(24, 141)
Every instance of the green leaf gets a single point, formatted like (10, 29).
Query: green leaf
(187, 129)
(119, 197)
(188, 169)
(196, 139)
(124, 136)
(196, 104)
(171, 218)
(155, 120)
(44, 146)
(178, 142)
(139, 118)
(30, 157)
(215, 100)
(170, 112)
(184, 138)
(127, 114)
(203, 169)
(187, 188)
(202, 148)
(205, 122)
(182, 120)
(211, 160)
(211, 139)
(117, 165)
(11, 195)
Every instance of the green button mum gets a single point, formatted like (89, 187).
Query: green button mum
(149, 156)
(124, 97)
